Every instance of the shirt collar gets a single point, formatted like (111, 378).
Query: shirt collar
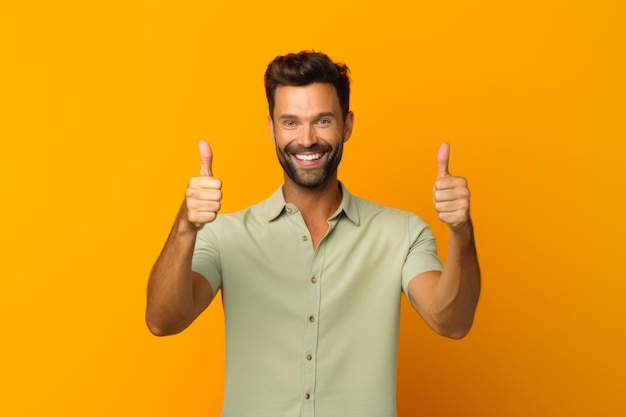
(277, 205)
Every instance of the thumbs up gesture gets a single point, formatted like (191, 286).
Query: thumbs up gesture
(450, 194)
(204, 192)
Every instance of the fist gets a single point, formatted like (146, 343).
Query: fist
(450, 194)
(204, 193)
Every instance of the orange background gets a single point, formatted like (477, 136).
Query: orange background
(102, 108)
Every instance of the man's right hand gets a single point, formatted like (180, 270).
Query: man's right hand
(204, 193)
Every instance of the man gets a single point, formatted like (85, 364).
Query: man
(311, 277)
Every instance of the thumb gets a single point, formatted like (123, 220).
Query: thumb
(443, 156)
(206, 158)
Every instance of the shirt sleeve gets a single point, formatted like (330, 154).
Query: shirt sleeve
(206, 255)
(422, 254)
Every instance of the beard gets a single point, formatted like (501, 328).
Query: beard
(314, 176)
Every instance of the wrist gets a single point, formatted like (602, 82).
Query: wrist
(464, 228)
(184, 227)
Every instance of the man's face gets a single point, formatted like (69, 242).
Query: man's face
(309, 131)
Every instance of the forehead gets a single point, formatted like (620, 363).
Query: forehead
(312, 98)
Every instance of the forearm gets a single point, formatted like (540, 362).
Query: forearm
(176, 295)
(456, 296)
(170, 303)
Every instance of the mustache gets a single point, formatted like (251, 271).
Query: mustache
(317, 148)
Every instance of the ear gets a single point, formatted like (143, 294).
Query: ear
(347, 126)
(270, 125)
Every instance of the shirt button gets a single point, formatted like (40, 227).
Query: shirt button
(313, 280)
(289, 209)
(311, 319)
(309, 357)
(305, 238)
(307, 396)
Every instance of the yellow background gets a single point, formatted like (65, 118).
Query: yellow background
(103, 104)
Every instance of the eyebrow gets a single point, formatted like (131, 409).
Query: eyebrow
(319, 115)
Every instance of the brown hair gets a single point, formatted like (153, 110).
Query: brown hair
(304, 68)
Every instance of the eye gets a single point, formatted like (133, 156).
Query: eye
(289, 123)
(324, 122)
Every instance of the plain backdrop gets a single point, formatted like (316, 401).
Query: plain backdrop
(103, 103)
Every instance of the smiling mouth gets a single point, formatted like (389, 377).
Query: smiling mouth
(308, 157)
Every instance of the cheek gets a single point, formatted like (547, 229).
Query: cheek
(282, 139)
(333, 136)
(285, 136)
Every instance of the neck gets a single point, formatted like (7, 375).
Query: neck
(314, 202)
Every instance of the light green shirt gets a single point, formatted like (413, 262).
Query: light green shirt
(312, 332)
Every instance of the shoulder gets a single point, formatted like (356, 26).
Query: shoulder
(371, 211)
(255, 215)
(385, 222)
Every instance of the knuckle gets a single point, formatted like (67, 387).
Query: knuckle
(191, 205)
(214, 195)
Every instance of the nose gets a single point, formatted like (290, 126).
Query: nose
(308, 137)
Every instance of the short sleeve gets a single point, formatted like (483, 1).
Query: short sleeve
(422, 255)
(206, 255)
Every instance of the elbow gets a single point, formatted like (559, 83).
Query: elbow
(455, 329)
(157, 331)
(159, 327)
(453, 322)
(455, 334)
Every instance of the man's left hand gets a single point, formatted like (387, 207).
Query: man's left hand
(450, 194)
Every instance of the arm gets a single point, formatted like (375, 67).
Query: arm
(176, 295)
(447, 301)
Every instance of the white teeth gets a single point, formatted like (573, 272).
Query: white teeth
(308, 157)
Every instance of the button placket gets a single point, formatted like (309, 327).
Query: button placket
(312, 331)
